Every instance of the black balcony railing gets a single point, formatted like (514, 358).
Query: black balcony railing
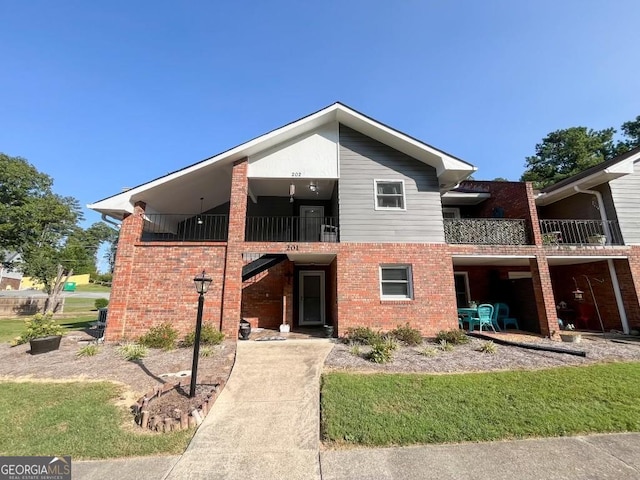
(292, 229)
(185, 228)
(580, 232)
(486, 231)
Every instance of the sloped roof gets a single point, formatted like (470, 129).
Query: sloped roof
(596, 175)
(179, 186)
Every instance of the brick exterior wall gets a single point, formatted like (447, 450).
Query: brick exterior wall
(262, 296)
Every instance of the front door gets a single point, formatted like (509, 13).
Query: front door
(311, 300)
(311, 219)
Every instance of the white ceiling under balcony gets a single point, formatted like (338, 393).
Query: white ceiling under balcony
(271, 187)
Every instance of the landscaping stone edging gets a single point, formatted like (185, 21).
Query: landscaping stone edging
(187, 420)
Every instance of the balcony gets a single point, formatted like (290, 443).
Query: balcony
(486, 231)
(292, 229)
(580, 232)
(185, 228)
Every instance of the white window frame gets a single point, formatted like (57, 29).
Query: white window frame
(409, 282)
(393, 209)
(454, 210)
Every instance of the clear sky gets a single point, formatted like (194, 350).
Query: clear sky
(111, 94)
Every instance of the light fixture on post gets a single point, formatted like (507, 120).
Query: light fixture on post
(200, 221)
(579, 296)
(292, 192)
(202, 283)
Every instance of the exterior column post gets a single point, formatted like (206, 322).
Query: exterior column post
(232, 287)
(533, 215)
(130, 234)
(545, 301)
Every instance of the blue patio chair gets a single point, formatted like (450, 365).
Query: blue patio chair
(485, 317)
(502, 315)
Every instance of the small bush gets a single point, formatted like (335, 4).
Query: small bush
(382, 352)
(132, 351)
(455, 336)
(355, 350)
(445, 346)
(407, 335)
(488, 347)
(363, 336)
(429, 352)
(40, 325)
(209, 335)
(161, 336)
(101, 303)
(87, 351)
(205, 351)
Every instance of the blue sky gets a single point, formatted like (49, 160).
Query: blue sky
(106, 95)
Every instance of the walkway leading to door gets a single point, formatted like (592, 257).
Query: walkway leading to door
(266, 422)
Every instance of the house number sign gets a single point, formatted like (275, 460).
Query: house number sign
(291, 247)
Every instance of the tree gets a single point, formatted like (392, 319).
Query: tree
(564, 153)
(35, 222)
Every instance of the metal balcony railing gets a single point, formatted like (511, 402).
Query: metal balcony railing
(185, 228)
(486, 231)
(292, 229)
(580, 232)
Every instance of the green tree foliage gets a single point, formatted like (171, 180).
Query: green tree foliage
(566, 152)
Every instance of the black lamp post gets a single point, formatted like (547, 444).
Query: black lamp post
(202, 285)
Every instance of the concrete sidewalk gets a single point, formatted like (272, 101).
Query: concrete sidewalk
(265, 424)
(615, 457)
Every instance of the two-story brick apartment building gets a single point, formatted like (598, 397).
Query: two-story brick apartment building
(337, 218)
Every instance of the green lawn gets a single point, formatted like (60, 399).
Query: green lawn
(92, 287)
(11, 328)
(77, 419)
(76, 304)
(386, 409)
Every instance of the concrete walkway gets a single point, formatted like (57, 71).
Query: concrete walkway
(265, 424)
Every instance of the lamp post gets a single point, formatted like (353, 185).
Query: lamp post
(202, 285)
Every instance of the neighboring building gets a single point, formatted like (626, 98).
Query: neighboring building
(337, 218)
(10, 277)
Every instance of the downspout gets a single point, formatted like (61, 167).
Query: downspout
(612, 268)
(106, 220)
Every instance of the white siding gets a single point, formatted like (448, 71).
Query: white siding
(626, 197)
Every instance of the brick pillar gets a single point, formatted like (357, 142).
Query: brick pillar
(130, 234)
(232, 296)
(533, 215)
(634, 266)
(545, 301)
(287, 295)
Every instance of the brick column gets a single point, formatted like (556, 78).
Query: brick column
(287, 295)
(634, 266)
(533, 215)
(545, 301)
(130, 234)
(232, 296)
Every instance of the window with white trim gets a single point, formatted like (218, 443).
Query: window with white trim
(395, 282)
(389, 194)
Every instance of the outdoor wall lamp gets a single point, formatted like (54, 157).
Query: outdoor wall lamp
(200, 221)
(313, 186)
(292, 192)
(202, 283)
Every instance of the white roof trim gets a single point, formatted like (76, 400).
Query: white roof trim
(449, 169)
(617, 170)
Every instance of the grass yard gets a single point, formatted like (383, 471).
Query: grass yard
(78, 304)
(77, 419)
(11, 328)
(92, 287)
(396, 409)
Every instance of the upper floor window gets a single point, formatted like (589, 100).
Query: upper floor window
(389, 194)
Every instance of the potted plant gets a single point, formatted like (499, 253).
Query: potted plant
(42, 332)
(597, 239)
(569, 335)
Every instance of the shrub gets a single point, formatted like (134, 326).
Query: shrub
(363, 336)
(445, 346)
(209, 335)
(40, 325)
(87, 351)
(382, 352)
(488, 347)
(406, 334)
(132, 351)
(161, 336)
(429, 352)
(101, 303)
(455, 336)
(205, 352)
(355, 350)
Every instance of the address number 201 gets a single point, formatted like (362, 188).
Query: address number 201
(296, 174)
